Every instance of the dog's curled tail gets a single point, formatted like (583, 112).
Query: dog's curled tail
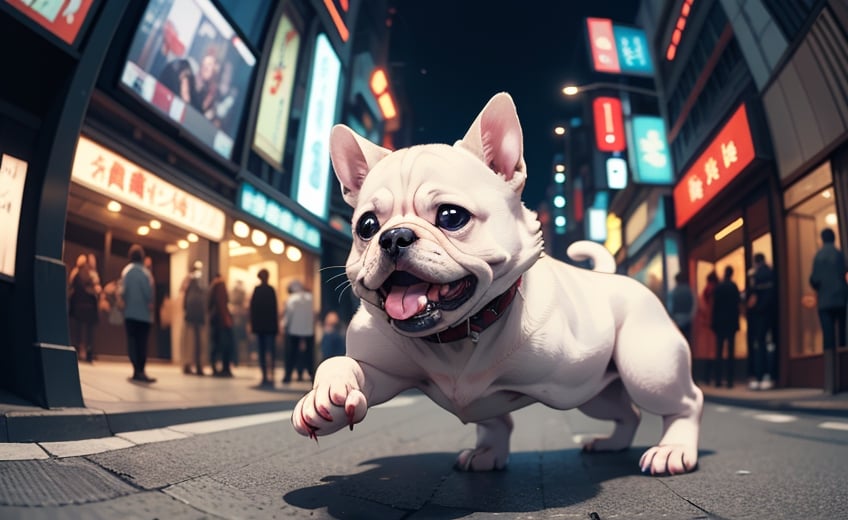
(599, 255)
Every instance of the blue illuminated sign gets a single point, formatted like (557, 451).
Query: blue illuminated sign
(634, 56)
(257, 204)
(651, 156)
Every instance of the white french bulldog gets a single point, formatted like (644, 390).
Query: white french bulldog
(460, 302)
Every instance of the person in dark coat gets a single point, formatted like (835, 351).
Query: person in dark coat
(221, 327)
(762, 311)
(828, 280)
(83, 293)
(725, 324)
(333, 340)
(266, 326)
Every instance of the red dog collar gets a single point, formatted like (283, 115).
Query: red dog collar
(476, 324)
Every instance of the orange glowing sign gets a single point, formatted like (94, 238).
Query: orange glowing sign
(609, 124)
(337, 10)
(723, 160)
(380, 88)
(671, 50)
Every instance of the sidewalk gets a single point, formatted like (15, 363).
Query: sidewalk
(116, 405)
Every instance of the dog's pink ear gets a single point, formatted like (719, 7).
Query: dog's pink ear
(353, 157)
(495, 137)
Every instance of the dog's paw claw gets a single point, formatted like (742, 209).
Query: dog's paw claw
(480, 459)
(669, 460)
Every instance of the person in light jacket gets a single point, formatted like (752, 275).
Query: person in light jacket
(136, 294)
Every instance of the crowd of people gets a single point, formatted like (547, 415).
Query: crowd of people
(718, 310)
(224, 317)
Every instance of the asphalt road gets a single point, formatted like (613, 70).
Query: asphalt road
(398, 464)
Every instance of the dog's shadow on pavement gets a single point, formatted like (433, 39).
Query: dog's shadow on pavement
(427, 484)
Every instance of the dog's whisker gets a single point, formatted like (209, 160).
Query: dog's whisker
(336, 276)
(332, 267)
(349, 285)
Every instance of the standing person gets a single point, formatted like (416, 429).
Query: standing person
(828, 280)
(83, 293)
(705, 336)
(300, 332)
(682, 305)
(725, 323)
(264, 323)
(221, 326)
(762, 310)
(194, 306)
(333, 341)
(135, 289)
(238, 308)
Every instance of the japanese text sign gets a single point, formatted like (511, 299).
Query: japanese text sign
(618, 49)
(609, 124)
(255, 203)
(12, 181)
(651, 158)
(106, 172)
(64, 23)
(724, 159)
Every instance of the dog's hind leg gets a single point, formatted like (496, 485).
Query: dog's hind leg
(492, 451)
(613, 404)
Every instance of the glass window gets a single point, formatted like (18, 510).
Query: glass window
(804, 223)
(249, 16)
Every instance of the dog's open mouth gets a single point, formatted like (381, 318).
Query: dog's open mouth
(414, 304)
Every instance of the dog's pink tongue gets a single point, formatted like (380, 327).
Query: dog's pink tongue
(405, 302)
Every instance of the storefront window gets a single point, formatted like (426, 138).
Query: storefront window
(812, 207)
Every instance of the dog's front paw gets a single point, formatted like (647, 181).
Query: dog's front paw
(669, 460)
(334, 402)
(481, 459)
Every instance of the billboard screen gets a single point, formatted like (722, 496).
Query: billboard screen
(188, 63)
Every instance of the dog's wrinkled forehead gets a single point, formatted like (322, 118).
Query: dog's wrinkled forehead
(494, 139)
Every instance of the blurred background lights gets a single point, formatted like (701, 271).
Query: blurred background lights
(559, 178)
(192, 237)
(559, 221)
(277, 246)
(259, 238)
(155, 224)
(241, 229)
(559, 201)
(114, 206)
(143, 230)
(293, 254)
(182, 244)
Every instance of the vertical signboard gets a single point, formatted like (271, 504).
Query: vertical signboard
(609, 124)
(274, 104)
(724, 159)
(12, 180)
(313, 169)
(650, 155)
(618, 49)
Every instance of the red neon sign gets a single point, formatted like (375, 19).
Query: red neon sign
(609, 124)
(602, 42)
(337, 10)
(671, 50)
(723, 160)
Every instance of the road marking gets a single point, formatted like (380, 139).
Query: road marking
(43, 450)
(775, 418)
(832, 425)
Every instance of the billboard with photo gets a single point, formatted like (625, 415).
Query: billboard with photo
(188, 62)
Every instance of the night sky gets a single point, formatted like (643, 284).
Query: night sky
(453, 55)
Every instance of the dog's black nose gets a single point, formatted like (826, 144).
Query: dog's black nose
(396, 240)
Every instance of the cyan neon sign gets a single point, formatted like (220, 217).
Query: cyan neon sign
(257, 204)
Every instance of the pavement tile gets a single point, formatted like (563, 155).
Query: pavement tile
(21, 451)
(85, 447)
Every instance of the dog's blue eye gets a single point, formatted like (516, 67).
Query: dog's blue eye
(452, 217)
(367, 226)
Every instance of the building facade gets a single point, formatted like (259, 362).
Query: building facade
(195, 128)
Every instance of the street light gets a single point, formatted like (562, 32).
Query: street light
(573, 90)
(560, 130)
